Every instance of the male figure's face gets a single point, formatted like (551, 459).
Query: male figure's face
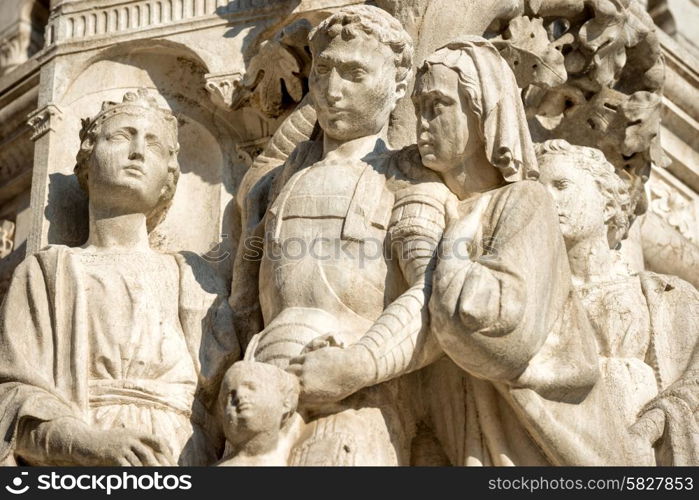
(353, 86)
(253, 403)
(582, 209)
(446, 127)
(129, 164)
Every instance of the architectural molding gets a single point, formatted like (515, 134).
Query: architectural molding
(43, 120)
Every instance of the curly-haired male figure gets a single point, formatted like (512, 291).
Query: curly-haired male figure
(327, 277)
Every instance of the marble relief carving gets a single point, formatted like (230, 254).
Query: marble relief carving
(122, 347)
(645, 323)
(460, 300)
(7, 233)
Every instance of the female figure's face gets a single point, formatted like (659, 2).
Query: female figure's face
(447, 130)
(129, 164)
(582, 208)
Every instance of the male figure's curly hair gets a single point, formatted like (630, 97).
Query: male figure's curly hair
(133, 103)
(614, 189)
(373, 21)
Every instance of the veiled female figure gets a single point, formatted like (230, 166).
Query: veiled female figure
(522, 355)
(645, 323)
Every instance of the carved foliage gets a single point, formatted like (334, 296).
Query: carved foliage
(533, 58)
(675, 209)
(275, 80)
(7, 234)
(592, 72)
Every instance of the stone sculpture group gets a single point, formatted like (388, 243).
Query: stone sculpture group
(458, 301)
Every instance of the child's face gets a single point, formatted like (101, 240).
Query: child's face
(254, 402)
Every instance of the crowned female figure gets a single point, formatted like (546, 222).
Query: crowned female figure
(112, 351)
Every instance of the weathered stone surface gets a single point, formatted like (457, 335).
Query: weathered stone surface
(645, 323)
(119, 353)
(437, 232)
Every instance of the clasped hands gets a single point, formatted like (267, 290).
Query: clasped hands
(329, 372)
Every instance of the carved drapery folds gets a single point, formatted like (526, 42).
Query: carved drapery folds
(345, 277)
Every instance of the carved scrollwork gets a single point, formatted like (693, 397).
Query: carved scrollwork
(674, 209)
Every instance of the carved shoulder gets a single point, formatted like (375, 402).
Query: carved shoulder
(419, 210)
(306, 152)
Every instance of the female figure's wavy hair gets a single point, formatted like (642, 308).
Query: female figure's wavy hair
(135, 103)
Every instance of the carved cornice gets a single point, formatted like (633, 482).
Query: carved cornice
(82, 20)
(44, 120)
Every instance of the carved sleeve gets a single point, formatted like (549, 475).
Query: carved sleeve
(28, 391)
(399, 340)
(509, 314)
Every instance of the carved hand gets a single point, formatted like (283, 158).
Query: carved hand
(649, 427)
(123, 447)
(330, 374)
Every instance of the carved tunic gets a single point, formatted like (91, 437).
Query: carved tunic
(327, 269)
(328, 265)
(129, 356)
(139, 377)
(308, 265)
(619, 314)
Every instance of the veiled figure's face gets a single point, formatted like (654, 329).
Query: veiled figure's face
(129, 163)
(447, 132)
(353, 86)
(582, 209)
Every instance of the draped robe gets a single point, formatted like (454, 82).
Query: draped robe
(45, 337)
(521, 385)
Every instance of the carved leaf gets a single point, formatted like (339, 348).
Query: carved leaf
(642, 114)
(606, 36)
(271, 71)
(534, 59)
